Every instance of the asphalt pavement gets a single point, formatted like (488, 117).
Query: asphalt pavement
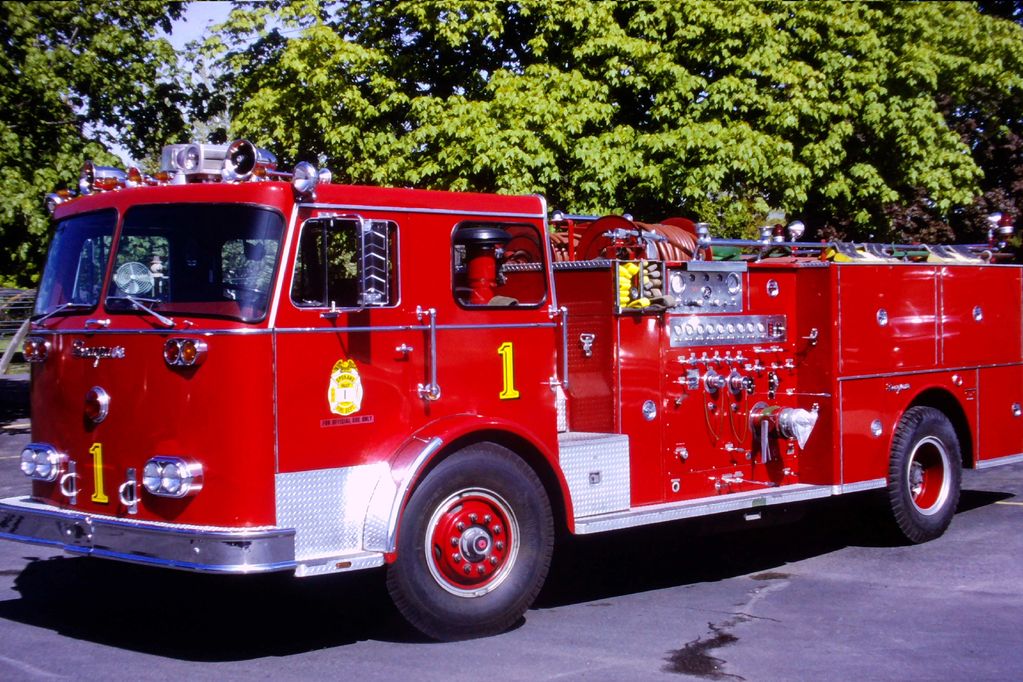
(823, 596)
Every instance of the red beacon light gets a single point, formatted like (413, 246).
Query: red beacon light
(1001, 229)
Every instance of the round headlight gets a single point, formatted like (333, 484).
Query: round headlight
(42, 462)
(44, 467)
(170, 479)
(151, 477)
(28, 461)
(172, 476)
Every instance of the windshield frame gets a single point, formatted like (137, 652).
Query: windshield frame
(261, 220)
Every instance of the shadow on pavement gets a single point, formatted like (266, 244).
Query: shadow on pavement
(226, 618)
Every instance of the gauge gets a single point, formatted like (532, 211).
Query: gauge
(677, 283)
(734, 283)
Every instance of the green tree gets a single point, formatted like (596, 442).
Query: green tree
(842, 113)
(75, 76)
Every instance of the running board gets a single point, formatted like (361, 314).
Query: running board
(999, 461)
(704, 506)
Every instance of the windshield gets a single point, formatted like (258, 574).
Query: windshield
(197, 259)
(73, 278)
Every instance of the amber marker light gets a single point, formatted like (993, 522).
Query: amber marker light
(184, 352)
(35, 349)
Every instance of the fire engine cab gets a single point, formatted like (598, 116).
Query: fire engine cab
(238, 370)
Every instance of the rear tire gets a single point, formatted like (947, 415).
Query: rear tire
(924, 474)
(474, 546)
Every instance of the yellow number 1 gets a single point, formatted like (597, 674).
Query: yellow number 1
(507, 354)
(96, 451)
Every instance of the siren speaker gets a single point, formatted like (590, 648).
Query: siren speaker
(240, 159)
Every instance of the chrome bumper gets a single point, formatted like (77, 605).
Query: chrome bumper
(209, 549)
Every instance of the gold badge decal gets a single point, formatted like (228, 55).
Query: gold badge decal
(345, 391)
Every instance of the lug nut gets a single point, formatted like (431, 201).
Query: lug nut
(499, 546)
(456, 557)
(481, 569)
(487, 519)
(473, 517)
(467, 568)
(460, 526)
(493, 561)
(496, 529)
(454, 541)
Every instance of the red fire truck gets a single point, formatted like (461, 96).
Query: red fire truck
(240, 370)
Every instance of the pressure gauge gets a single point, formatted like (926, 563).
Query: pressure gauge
(734, 283)
(677, 283)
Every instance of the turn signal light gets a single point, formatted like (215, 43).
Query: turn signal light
(184, 352)
(35, 349)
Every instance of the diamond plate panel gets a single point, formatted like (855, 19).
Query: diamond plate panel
(327, 507)
(596, 468)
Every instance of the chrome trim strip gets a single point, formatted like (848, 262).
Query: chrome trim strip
(406, 482)
(282, 265)
(563, 313)
(703, 506)
(914, 372)
(158, 332)
(859, 486)
(433, 211)
(295, 330)
(413, 328)
(999, 461)
(208, 549)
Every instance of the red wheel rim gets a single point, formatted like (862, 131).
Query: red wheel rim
(928, 475)
(472, 542)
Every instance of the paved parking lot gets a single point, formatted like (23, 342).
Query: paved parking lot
(820, 597)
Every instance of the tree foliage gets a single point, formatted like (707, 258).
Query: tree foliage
(891, 120)
(75, 76)
(853, 116)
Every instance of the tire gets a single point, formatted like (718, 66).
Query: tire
(474, 545)
(924, 474)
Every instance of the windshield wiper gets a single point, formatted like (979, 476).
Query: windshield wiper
(70, 305)
(140, 304)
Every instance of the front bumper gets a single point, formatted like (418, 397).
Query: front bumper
(208, 549)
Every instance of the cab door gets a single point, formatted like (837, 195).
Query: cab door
(346, 369)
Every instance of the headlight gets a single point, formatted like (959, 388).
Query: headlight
(172, 477)
(42, 462)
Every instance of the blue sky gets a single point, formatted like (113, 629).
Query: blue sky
(198, 16)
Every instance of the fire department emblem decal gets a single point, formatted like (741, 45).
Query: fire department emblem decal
(345, 391)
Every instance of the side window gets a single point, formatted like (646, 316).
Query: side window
(498, 265)
(345, 263)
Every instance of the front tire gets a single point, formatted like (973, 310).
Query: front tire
(924, 474)
(474, 547)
